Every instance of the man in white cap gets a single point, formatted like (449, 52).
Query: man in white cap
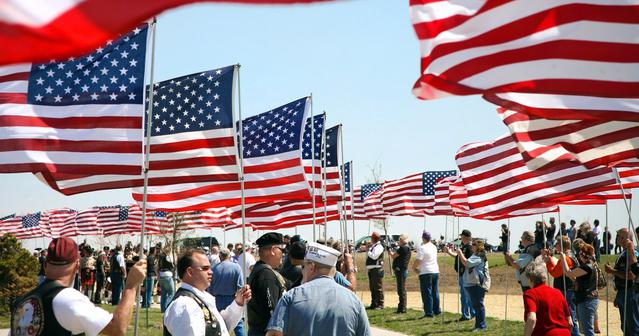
(319, 306)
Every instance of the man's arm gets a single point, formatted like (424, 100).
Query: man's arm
(122, 314)
(376, 251)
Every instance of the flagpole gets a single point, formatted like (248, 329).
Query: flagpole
(340, 163)
(147, 152)
(241, 163)
(505, 327)
(323, 160)
(607, 287)
(313, 167)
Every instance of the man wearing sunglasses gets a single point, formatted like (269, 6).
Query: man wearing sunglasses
(192, 312)
(267, 284)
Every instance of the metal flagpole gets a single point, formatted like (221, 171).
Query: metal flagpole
(147, 151)
(442, 273)
(340, 163)
(505, 327)
(313, 168)
(561, 246)
(241, 163)
(607, 287)
(459, 291)
(323, 167)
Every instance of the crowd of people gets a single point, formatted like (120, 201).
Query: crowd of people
(291, 287)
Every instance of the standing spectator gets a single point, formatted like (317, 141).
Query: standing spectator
(165, 280)
(227, 280)
(546, 310)
(41, 260)
(214, 257)
(375, 266)
(626, 299)
(151, 276)
(606, 243)
(586, 293)
(476, 280)
(239, 248)
(529, 254)
(87, 268)
(505, 238)
(401, 257)
(292, 266)
(539, 235)
(467, 310)
(229, 246)
(586, 234)
(551, 228)
(100, 276)
(596, 231)
(572, 232)
(562, 230)
(560, 281)
(247, 254)
(618, 244)
(267, 285)
(118, 274)
(426, 265)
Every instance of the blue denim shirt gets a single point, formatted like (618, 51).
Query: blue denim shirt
(227, 279)
(320, 307)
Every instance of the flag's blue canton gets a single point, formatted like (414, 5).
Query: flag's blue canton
(431, 177)
(160, 214)
(124, 214)
(318, 122)
(113, 74)
(31, 220)
(7, 217)
(331, 146)
(275, 131)
(370, 188)
(346, 176)
(197, 102)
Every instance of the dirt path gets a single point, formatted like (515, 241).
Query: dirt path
(495, 307)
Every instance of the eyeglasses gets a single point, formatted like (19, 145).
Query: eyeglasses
(202, 267)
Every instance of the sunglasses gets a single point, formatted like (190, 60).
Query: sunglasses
(203, 268)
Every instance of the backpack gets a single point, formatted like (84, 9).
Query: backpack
(601, 277)
(485, 280)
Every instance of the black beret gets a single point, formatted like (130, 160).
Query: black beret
(270, 238)
(298, 250)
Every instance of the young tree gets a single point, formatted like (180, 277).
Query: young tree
(18, 271)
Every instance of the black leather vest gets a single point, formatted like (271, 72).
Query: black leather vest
(212, 324)
(115, 266)
(379, 261)
(32, 314)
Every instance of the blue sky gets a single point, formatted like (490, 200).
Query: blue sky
(359, 59)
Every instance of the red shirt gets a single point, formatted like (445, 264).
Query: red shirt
(551, 309)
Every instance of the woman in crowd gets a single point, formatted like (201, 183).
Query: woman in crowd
(476, 280)
(561, 282)
(546, 310)
(585, 278)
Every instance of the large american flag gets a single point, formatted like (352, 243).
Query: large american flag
(559, 47)
(23, 227)
(280, 215)
(498, 182)
(371, 197)
(313, 157)
(37, 31)
(61, 223)
(346, 173)
(442, 206)
(592, 142)
(113, 219)
(332, 159)
(76, 116)
(272, 167)
(192, 136)
(413, 195)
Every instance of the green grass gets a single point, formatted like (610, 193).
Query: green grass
(411, 323)
(155, 325)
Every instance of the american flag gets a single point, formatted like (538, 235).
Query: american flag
(36, 31)
(77, 116)
(192, 136)
(458, 197)
(205, 219)
(332, 160)
(347, 176)
(594, 143)
(559, 47)
(272, 167)
(413, 195)
(442, 206)
(24, 227)
(371, 197)
(113, 219)
(313, 157)
(86, 222)
(61, 223)
(499, 183)
(280, 215)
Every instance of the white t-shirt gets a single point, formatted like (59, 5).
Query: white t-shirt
(184, 317)
(250, 261)
(76, 313)
(427, 256)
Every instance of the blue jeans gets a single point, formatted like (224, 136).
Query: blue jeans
(117, 281)
(428, 283)
(573, 312)
(167, 287)
(148, 291)
(586, 316)
(467, 310)
(223, 301)
(632, 319)
(477, 294)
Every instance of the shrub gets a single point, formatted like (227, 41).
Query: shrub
(18, 271)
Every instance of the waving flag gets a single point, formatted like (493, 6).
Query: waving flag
(347, 205)
(24, 227)
(499, 183)
(308, 160)
(332, 183)
(77, 116)
(594, 143)
(442, 206)
(413, 195)
(280, 215)
(41, 30)
(61, 223)
(272, 167)
(585, 48)
(192, 136)
(372, 199)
